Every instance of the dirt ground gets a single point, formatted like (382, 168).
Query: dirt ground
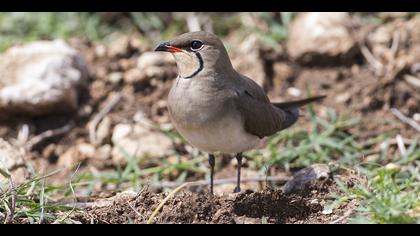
(247, 207)
(352, 89)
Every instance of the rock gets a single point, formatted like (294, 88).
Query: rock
(153, 59)
(151, 65)
(104, 152)
(319, 37)
(135, 75)
(303, 179)
(416, 117)
(100, 50)
(138, 141)
(12, 162)
(157, 65)
(119, 47)
(40, 78)
(75, 155)
(342, 97)
(295, 92)
(102, 157)
(115, 77)
(247, 59)
(127, 63)
(103, 132)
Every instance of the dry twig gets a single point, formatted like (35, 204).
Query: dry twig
(48, 134)
(395, 43)
(170, 195)
(405, 119)
(401, 145)
(375, 63)
(94, 123)
(412, 80)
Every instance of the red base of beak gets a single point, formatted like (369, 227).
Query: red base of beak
(166, 47)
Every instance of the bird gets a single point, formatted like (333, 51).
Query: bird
(217, 109)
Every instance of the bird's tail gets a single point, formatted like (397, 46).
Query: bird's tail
(298, 103)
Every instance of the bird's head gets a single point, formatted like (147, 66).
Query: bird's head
(197, 53)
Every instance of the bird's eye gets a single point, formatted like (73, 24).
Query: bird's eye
(196, 45)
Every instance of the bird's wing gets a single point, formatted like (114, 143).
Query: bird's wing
(298, 103)
(260, 117)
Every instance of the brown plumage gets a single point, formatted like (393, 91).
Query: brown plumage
(263, 118)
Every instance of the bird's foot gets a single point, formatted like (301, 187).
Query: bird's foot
(237, 190)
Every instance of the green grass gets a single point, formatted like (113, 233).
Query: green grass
(36, 202)
(326, 140)
(389, 197)
(20, 27)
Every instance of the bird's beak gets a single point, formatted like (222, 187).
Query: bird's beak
(166, 47)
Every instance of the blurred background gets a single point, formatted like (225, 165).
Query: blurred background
(83, 105)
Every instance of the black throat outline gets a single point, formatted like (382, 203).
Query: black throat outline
(200, 60)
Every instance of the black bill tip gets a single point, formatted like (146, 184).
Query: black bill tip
(163, 47)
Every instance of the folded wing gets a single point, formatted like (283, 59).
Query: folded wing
(261, 117)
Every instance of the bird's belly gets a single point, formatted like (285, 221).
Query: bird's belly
(225, 135)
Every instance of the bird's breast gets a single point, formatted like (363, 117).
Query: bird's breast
(208, 120)
(194, 104)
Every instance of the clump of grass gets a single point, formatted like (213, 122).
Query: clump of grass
(391, 196)
(392, 192)
(388, 198)
(50, 25)
(326, 140)
(36, 202)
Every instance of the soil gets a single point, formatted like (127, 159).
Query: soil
(247, 207)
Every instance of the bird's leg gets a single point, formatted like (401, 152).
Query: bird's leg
(238, 181)
(212, 164)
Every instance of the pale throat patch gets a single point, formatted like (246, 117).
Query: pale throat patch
(188, 63)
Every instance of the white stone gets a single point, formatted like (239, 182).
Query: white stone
(138, 141)
(324, 34)
(152, 59)
(40, 77)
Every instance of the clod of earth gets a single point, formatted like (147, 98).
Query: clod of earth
(304, 178)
